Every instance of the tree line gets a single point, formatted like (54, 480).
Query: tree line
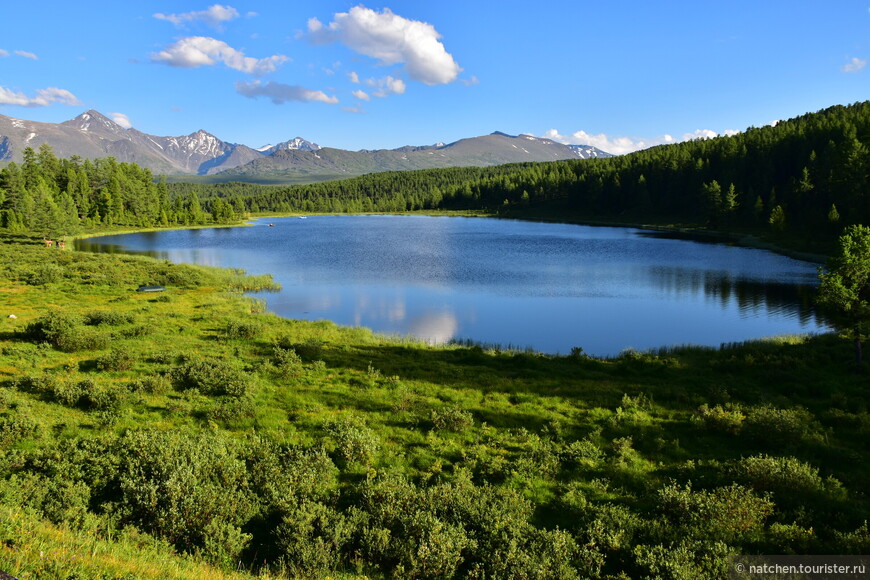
(807, 175)
(50, 196)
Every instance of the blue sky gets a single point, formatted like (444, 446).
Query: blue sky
(619, 75)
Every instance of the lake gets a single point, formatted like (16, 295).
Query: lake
(549, 287)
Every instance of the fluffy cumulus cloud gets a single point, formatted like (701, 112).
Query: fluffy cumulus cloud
(387, 86)
(197, 51)
(121, 119)
(280, 93)
(623, 145)
(391, 39)
(43, 98)
(214, 16)
(854, 65)
(362, 95)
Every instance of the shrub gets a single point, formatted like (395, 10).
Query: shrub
(211, 377)
(232, 409)
(108, 317)
(728, 418)
(65, 332)
(312, 536)
(287, 362)
(583, 453)
(243, 328)
(784, 476)
(117, 359)
(16, 428)
(779, 427)
(453, 418)
(190, 489)
(153, 384)
(725, 513)
(354, 442)
(45, 273)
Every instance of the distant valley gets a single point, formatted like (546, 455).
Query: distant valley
(92, 135)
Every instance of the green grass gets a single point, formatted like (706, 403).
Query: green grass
(331, 450)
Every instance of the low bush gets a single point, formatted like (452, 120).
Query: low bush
(728, 419)
(45, 273)
(16, 428)
(243, 328)
(727, 514)
(287, 362)
(108, 317)
(211, 377)
(453, 418)
(152, 384)
(786, 477)
(354, 442)
(779, 427)
(117, 359)
(65, 331)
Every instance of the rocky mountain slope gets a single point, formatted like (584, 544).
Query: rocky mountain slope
(93, 135)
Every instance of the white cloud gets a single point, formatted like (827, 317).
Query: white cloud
(356, 109)
(391, 39)
(354, 78)
(26, 54)
(214, 16)
(3, 53)
(387, 86)
(43, 98)
(855, 65)
(281, 93)
(197, 51)
(362, 95)
(623, 145)
(121, 119)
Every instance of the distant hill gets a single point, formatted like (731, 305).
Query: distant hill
(93, 135)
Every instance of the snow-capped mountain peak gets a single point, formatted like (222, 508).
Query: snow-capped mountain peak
(297, 143)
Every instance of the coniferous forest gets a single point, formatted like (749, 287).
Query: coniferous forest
(190, 434)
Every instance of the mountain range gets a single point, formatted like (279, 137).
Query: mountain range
(93, 135)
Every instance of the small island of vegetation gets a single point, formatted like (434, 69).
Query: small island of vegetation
(188, 433)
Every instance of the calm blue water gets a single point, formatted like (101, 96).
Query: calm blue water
(550, 287)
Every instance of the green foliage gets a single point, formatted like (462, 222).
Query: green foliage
(189, 490)
(845, 287)
(108, 318)
(354, 442)
(728, 419)
(211, 377)
(45, 273)
(783, 476)
(65, 331)
(726, 514)
(779, 427)
(117, 359)
(647, 465)
(287, 362)
(243, 328)
(451, 419)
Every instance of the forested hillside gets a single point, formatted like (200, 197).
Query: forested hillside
(806, 175)
(53, 197)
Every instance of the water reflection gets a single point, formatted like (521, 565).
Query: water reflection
(435, 328)
(547, 286)
(751, 296)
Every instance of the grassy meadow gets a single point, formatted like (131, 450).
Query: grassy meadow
(190, 434)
